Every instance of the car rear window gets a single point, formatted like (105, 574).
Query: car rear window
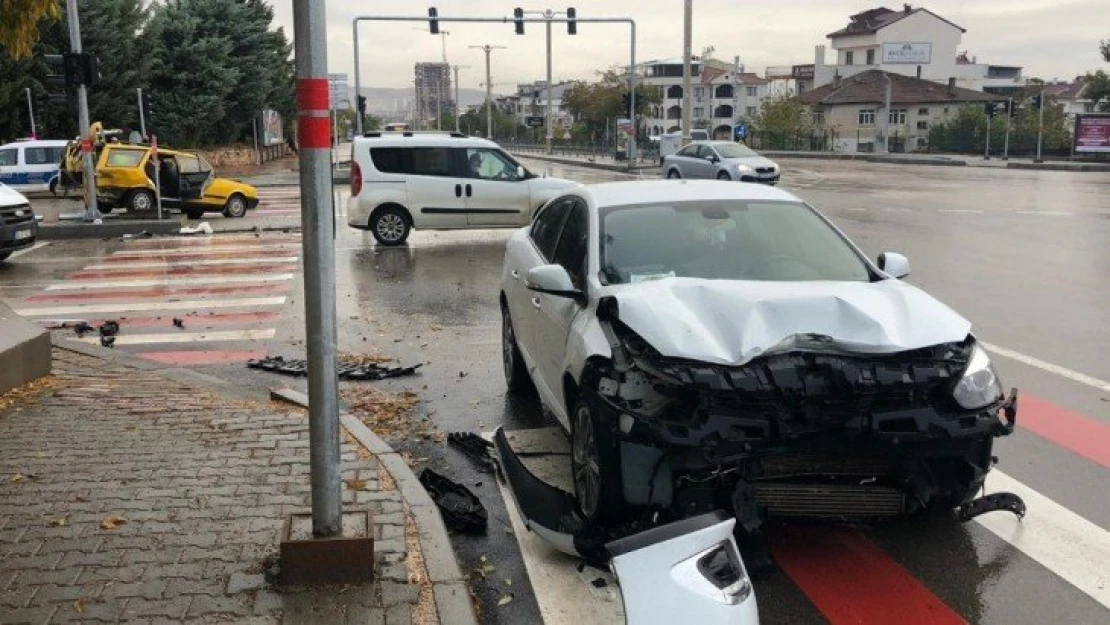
(388, 160)
(125, 158)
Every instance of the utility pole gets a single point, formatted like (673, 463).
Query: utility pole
(31, 113)
(1040, 125)
(142, 114)
(91, 212)
(313, 118)
(687, 95)
(1009, 125)
(547, 113)
(990, 118)
(886, 115)
(489, 88)
(457, 109)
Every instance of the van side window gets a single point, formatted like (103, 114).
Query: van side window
(8, 158)
(431, 161)
(39, 156)
(388, 160)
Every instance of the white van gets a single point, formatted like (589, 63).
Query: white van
(31, 165)
(440, 181)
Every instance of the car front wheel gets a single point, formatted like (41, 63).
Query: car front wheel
(140, 201)
(673, 174)
(390, 225)
(194, 213)
(236, 206)
(594, 459)
(724, 176)
(516, 373)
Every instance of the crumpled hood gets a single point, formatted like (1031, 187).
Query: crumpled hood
(730, 322)
(10, 197)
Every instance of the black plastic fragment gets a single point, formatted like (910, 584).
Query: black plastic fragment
(1008, 502)
(461, 509)
(82, 328)
(108, 341)
(346, 371)
(109, 328)
(474, 447)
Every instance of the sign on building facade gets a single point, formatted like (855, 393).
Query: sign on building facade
(1092, 134)
(907, 52)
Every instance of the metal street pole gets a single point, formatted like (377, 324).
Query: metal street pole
(687, 96)
(313, 118)
(456, 68)
(547, 112)
(142, 116)
(1040, 128)
(31, 114)
(886, 115)
(489, 88)
(990, 118)
(91, 212)
(358, 115)
(1009, 125)
(632, 100)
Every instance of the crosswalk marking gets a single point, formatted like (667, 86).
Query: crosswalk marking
(188, 337)
(93, 309)
(122, 284)
(200, 262)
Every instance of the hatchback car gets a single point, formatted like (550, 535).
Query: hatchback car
(18, 227)
(711, 345)
(722, 160)
(440, 181)
(125, 177)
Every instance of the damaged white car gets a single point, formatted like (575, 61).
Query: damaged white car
(718, 346)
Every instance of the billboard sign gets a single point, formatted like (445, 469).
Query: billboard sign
(1092, 134)
(271, 128)
(802, 72)
(907, 52)
(534, 121)
(338, 92)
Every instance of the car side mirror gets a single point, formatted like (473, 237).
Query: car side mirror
(894, 264)
(553, 280)
(712, 158)
(521, 174)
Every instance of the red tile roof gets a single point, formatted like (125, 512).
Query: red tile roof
(869, 88)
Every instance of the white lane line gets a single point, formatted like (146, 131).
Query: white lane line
(1059, 539)
(82, 285)
(188, 337)
(971, 211)
(140, 263)
(1074, 376)
(1047, 213)
(856, 209)
(897, 210)
(39, 245)
(193, 304)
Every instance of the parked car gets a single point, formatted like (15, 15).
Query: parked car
(30, 166)
(18, 227)
(723, 160)
(440, 181)
(712, 345)
(125, 177)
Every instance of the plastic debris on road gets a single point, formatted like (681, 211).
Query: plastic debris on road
(461, 509)
(346, 371)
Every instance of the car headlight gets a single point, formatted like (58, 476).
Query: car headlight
(979, 385)
(742, 167)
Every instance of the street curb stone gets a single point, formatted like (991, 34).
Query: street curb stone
(448, 584)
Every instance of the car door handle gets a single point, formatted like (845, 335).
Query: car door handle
(468, 190)
(536, 303)
(458, 190)
(515, 274)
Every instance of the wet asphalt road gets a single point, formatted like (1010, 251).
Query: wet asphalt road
(1022, 254)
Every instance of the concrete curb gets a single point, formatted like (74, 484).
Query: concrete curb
(24, 350)
(1061, 166)
(570, 161)
(448, 583)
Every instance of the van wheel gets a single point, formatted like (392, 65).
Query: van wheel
(390, 225)
(673, 174)
(140, 201)
(236, 206)
(194, 213)
(54, 187)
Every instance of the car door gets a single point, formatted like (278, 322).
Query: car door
(700, 164)
(435, 185)
(554, 313)
(522, 254)
(193, 178)
(495, 194)
(682, 160)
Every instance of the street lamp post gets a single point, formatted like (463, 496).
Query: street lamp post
(489, 88)
(687, 42)
(1040, 126)
(456, 68)
(886, 115)
(31, 114)
(1009, 124)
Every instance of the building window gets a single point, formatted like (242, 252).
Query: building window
(849, 57)
(870, 57)
(867, 117)
(922, 125)
(753, 92)
(699, 92)
(750, 111)
(699, 112)
(818, 118)
(923, 111)
(897, 117)
(724, 91)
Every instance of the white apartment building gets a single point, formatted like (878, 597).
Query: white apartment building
(724, 95)
(911, 42)
(530, 100)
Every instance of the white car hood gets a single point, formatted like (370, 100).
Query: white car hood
(10, 197)
(552, 184)
(730, 322)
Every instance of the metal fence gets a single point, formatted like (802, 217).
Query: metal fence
(825, 141)
(583, 149)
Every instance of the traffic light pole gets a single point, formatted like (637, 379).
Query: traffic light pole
(91, 212)
(1009, 125)
(31, 113)
(1040, 127)
(547, 111)
(142, 115)
(987, 151)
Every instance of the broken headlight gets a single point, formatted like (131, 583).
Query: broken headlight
(979, 385)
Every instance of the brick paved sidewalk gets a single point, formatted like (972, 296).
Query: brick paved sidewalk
(128, 495)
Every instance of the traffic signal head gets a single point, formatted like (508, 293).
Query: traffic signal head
(362, 104)
(1037, 101)
(518, 20)
(572, 26)
(433, 23)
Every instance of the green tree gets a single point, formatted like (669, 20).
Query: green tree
(15, 77)
(1098, 89)
(1104, 48)
(966, 131)
(782, 122)
(20, 21)
(595, 105)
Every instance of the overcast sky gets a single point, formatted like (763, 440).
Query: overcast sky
(1049, 38)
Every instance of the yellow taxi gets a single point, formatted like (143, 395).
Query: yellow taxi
(125, 178)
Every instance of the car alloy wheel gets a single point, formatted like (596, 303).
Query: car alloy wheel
(236, 207)
(141, 201)
(391, 227)
(586, 464)
(508, 346)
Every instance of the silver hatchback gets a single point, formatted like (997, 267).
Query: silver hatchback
(722, 160)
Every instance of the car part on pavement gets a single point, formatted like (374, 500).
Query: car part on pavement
(109, 328)
(461, 509)
(81, 328)
(368, 371)
(178, 323)
(993, 502)
(107, 341)
(474, 447)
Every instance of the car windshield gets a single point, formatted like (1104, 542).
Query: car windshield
(734, 150)
(725, 240)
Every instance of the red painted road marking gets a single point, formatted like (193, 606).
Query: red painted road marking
(187, 358)
(124, 257)
(159, 293)
(198, 320)
(213, 243)
(850, 580)
(108, 274)
(1075, 432)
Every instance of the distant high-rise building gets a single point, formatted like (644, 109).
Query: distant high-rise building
(433, 92)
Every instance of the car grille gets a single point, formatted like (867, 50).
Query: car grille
(15, 215)
(764, 170)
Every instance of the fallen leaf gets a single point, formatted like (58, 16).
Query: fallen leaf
(485, 569)
(355, 484)
(18, 477)
(508, 582)
(436, 327)
(112, 522)
(79, 605)
(57, 521)
(505, 599)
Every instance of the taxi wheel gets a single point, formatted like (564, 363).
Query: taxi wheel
(140, 201)
(236, 206)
